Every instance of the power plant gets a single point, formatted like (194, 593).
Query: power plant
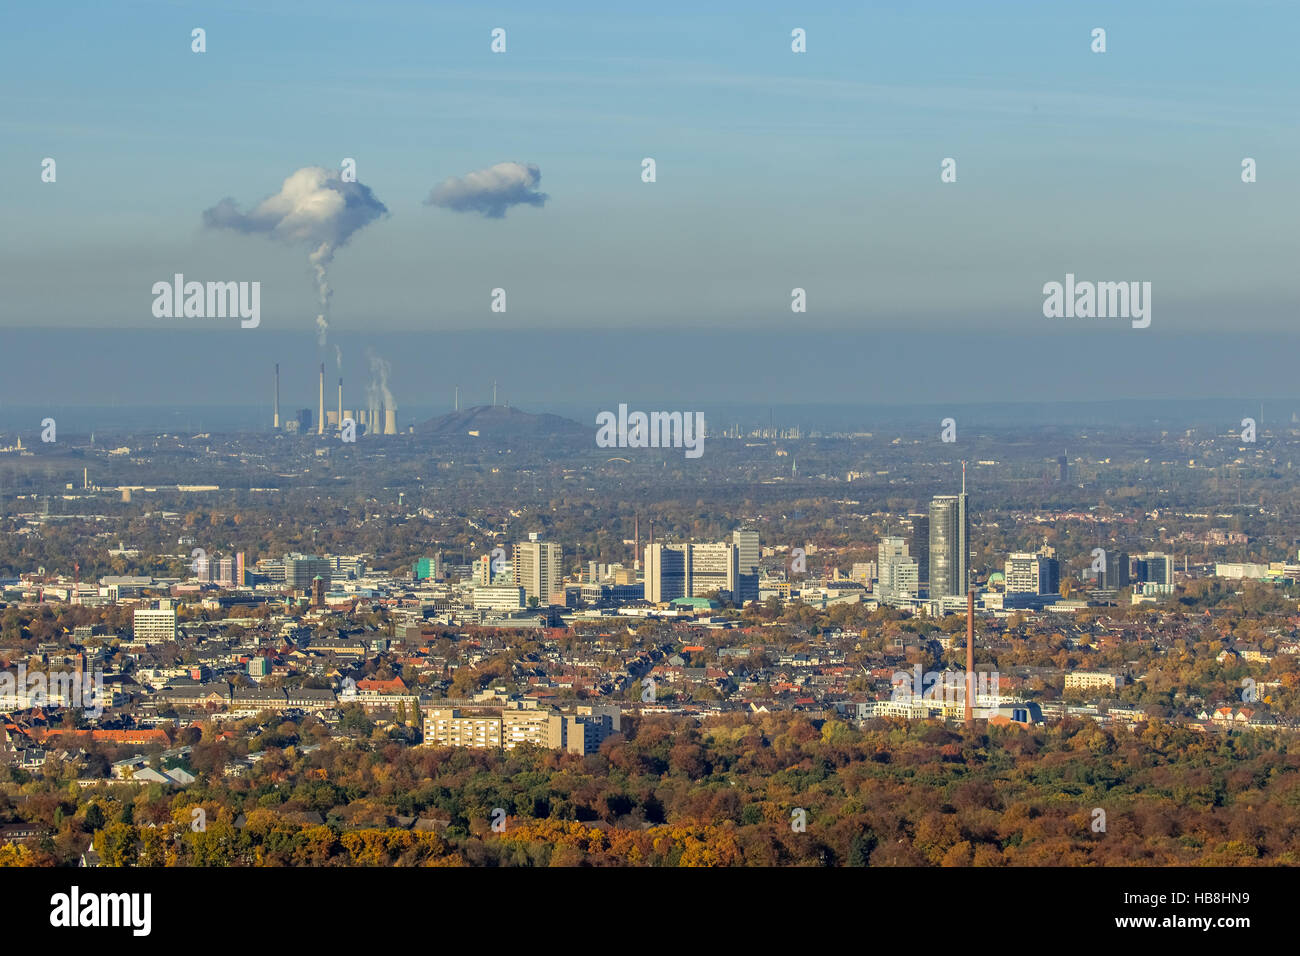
(379, 419)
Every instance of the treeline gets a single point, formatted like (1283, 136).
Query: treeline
(766, 791)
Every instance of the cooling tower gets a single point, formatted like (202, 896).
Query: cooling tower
(390, 421)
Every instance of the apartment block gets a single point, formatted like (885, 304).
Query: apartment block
(521, 722)
(1093, 680)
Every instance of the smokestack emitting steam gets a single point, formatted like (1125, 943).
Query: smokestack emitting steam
(970, 657)
(277, 396)
(320, 424)
(382, 405)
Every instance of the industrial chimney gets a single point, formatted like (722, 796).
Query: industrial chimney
(970, 658)
(320, 420)
(340, 401)
(277, 397)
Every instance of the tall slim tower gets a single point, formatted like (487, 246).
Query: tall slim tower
(276, 425)
(340, 401)
(749, 553)
(950, 544)
(320, 418)
(970, 658)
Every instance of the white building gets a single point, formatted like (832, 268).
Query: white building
(537, 568)
(155, 626)
(899, 571)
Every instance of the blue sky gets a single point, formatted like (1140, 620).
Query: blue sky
(775, 170)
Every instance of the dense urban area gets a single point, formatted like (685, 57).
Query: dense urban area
(485, 640)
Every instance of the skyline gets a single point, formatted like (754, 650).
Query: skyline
(800, 366)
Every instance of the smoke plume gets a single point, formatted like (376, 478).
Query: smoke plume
(314, 206)
(490, 191)
(377, 392)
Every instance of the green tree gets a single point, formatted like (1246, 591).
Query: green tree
(860, 847)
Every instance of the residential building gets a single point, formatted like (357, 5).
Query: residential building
(1093, 680)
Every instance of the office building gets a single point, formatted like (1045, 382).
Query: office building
(537, 568)
(667, 575)
(346, 567)
(899, 575)
(949, 546)
(681, 570)
(1155, 567)
(301, 569)
(1026, 573)
(155, 626)
(919, 547)
(716, 567)
(498, 597)
(1114, 573)
(748, 553)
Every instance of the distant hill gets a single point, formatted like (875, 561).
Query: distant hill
(499, 423)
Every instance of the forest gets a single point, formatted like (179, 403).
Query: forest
(760, 790)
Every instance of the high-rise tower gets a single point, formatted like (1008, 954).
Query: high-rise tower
(950, 544)
(750, 551)
(537, 567)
